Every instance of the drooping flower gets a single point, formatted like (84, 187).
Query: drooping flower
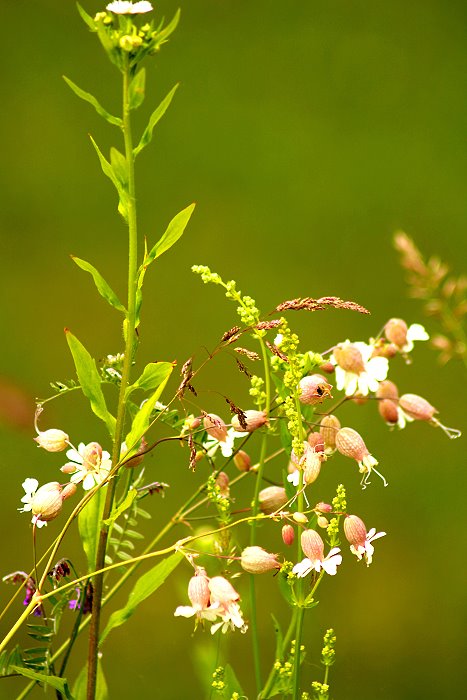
(121, 7)
(314, 389)
(253, 419)
(89, 464)
(256, 560)
(388, 405)
(52, 440)
(359, 539)
(357, 371)
(403, 337)
(350, 444)
(309, 463)
(313, 548)
(271, 499)
(225, 597)
(45, 502)
(199, 595)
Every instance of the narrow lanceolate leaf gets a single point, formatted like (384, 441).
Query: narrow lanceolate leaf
(89, 525)
(87, 97)
(154, 118)
(124, 505)
(80, 686)
(86, 18)
(173, 232)
(153, 375)
(144, 587)
(136, 90)
(108, 170)
(90, 380)
(59, 684)
(141, 421)
(119, 166)
(102, 287)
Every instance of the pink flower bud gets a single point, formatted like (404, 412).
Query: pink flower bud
(327, 367)
(68, 468)
(222, 482)
(272, 498)
(322, 522)
(388, 411)
(254, 420)
(314, 389)
(136, 460)
(215, 427)
(52, 440)
(288, 534)
(395, 331)
(416, 407)
(323, 507)
(255, 560)
(300, 518)
(387, 390)
(312, 545)
(355, 530)
(198, 589)
(222, 591)
(46, 503)
(349, 358)
(242, 461)
(68, 490)
(329, 427)
(316, 441)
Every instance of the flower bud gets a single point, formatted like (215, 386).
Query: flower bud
(328, 429)
(386, 350)
(300, 518)
(242, 461)
(395, 331)
(312, 467)
(129, 42)
(198, 589)
(272, 498)
(349, 358)
(327, 367)
(322, 522)
(68, 468)
(316, 441)
(68, 490)
(416, 407)
(388, 411)
(53, 440)
(314, 389)
(222, 482)
(387, 390)
(46, 503)
(255, 560)
(254, 420)
(288, 534)
(355, 530)
(312, 545)
(215, 427)
(323, 507)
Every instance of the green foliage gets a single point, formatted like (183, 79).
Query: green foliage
(124, 505)
(146, 585)
(102, 287)
(153, 120)
(89, 524)
(153, 375)
(87, 97)
(142, 419)
(80, 686)
(173, 232)
(108, 170)
(55, 682)
(86, 18)
(137, 88)
(90, 380)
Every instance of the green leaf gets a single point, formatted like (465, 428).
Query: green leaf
(136, 90)
(80, 686)
(87, 97)
(90, 380)
(279, 638)
(153, 375)
(102, 287)
(86, 18)
(108, 170)
(154, 118)
(141, 420)
(89, 525)
(173, 232)
(144, 587)
(231, 682)
(163, 35)
(124, 505)
(119, 166)
(59, 684)
(286, 588)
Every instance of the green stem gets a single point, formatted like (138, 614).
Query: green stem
(285, 645)
(120, 424)
(298, 641)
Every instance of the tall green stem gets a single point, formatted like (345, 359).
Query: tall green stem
(120, 424)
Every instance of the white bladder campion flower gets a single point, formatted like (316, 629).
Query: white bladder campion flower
(225, 597)
(313, 548)
(357, 372)
(403, 336)
(121, 7)
(359, 539)
(89, 464)
(44, 502)
(199, 595)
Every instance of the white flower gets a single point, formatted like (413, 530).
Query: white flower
(208, 613)
(366, 549)
(121, 7)
(414, 332)
(30, 487)
(92, 464)
(329, 564)
(356, 370)
(225, 597)
(212, 444)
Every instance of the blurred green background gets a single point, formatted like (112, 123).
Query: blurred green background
(307, 133)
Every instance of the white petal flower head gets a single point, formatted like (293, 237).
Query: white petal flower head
(92, 464)
(356, 370)
(366, 549)
(313, 547)
(121, 7)
(225, 597)
(359, 539)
